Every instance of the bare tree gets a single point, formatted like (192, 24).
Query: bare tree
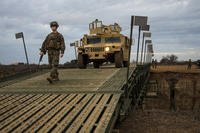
(169, 59)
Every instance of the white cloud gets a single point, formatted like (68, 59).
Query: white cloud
(175, 24)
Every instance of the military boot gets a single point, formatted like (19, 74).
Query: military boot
(55, 78)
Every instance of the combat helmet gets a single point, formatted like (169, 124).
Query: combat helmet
(54, 23)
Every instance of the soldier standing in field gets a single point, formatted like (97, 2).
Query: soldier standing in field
(54, 45)
(155, 63)
(189, 64)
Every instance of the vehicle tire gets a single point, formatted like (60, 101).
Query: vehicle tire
(125, 63)
(118, 59)
(82, 61)
(96, 64)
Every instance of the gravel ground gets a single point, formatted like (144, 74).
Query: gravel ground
(156, 117)
(160, 121)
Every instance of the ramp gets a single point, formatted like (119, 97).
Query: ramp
(83, 101)
(72, 80)
(58, 112)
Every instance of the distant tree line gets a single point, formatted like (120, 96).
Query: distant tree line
(169, 59)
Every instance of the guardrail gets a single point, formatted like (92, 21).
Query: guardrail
(17, 75)
(135, 89)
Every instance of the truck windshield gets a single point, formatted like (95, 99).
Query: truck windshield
(112, 39)
(93, 40)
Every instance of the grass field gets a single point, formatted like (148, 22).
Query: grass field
(176, 68)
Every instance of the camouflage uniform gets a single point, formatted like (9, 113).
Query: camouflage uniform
(54, 44)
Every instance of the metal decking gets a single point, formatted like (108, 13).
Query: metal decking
(57, 112)
(65, 107)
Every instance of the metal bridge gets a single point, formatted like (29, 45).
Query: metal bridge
(89, 100)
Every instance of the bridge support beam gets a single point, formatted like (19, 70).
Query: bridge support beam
(172, 83)
(135, 89)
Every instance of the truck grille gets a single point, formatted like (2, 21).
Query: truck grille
(97, 49)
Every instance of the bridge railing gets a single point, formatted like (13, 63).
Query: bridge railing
(135, 88)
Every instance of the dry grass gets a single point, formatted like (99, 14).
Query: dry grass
(175, 68)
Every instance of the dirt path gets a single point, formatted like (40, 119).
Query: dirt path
(160, 121)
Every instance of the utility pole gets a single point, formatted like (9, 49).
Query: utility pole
(74, 44)
(138, 46)
(145, 34)
(131, 36)
(138, 21)
(21, 35)
(145, 51)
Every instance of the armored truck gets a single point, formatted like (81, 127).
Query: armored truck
(103, 44)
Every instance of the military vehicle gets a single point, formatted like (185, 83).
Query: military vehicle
(103, 44)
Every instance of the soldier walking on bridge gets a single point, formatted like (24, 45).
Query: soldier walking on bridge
(55, 46)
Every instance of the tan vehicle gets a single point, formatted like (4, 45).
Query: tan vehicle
(103, 44)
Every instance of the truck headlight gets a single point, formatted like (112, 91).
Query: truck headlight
(107, 49)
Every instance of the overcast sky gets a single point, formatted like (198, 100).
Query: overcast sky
(175, 24)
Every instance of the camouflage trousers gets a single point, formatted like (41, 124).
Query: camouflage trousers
(53, 57)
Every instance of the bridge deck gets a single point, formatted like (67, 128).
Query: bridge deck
(84, 100)
(57, 112)
(75, 80)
